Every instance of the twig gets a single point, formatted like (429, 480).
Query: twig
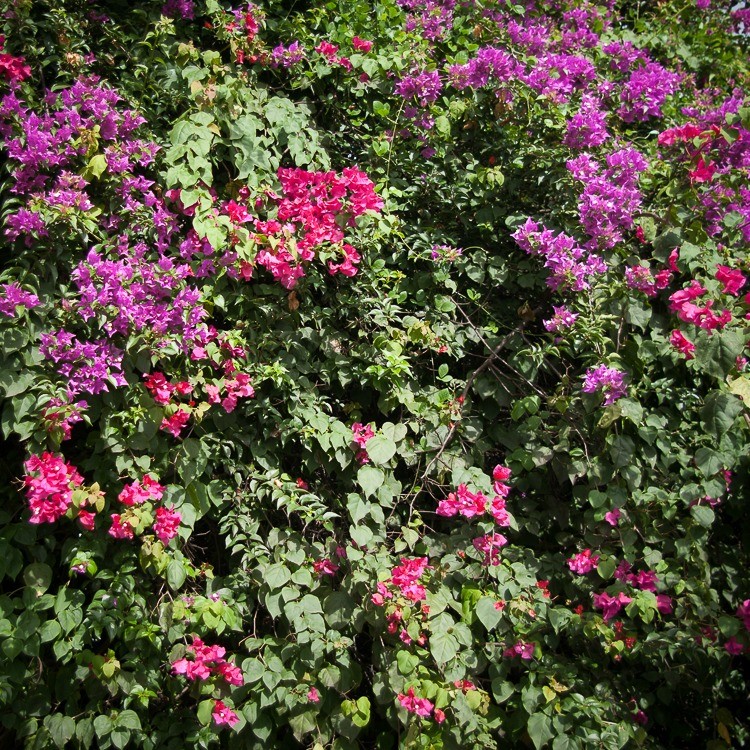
(474, 375)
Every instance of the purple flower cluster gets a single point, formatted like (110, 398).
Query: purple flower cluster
(286, 57)
(46, 150)
(610, 196)
(434, 18)
(570, 266)
(563, 318)
(588, 127)
(624, 56)
(557, 76)
(12, 296)
(424, 86)
(134, 292)
(644, 93)
(179, 9)
(490, 64)
(608, 380)
(88, 366)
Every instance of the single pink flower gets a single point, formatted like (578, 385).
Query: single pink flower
(361, 45)
(167, 524)
(732, 278)
(120, 529)
(222, 714)
(733, 647)
(325, 567)
(613, 517)
(664, 604)
(584, 562)
(414, 704)
(683, 344)
(313, 695)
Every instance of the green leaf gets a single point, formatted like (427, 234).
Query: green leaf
(303, 723)
(741, 387)
(380, 449)
(540, 730)
(205, 710)
(38, 576)
(486, 612)
(102, 726)
(61, 729)
(358, 508)
(407, 662)
(369, 479)
(716, 354)
(338, 608)
(96, 167)
(621, 451)
(708, 461)
(703, 514)
(50, 631)
(119, 737)
(176, 574)
(128, 719)
(502, 690)
(606, 568)
(719, 412)
(443, 647)
(277, 576)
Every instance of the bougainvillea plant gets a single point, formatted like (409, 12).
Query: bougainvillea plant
(375, 374)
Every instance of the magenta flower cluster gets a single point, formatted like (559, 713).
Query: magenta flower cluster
(571, 267)
(49, 483)
(608, 380)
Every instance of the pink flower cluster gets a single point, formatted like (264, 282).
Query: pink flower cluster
(137, 493)
(563, 318)
(682, 304)
(571, 267)
(325, 567)
(489, 545)
(682, 343)
(645, 580)
(404, 578)
(49, 482)
(640, 278)
(88, 366)
(610, 197)
(162, 390)
(611, 605)
(522, 649)
(12, 68)
(222, 714)
(330, 52)
(311, 214)
(732, 278)
(420, 706)
(207, 662)
(361, 433)
(62, 415)
(469, 504)
(743, 612)
(140, 491)
(236, 388)
(584, 562)
(175, 423)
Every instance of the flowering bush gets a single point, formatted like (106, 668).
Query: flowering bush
(374, 374)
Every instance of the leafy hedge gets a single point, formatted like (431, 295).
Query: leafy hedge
(374, 374)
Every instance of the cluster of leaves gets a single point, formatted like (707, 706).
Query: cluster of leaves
(301, 308)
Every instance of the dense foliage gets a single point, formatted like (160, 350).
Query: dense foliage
(375, 374)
